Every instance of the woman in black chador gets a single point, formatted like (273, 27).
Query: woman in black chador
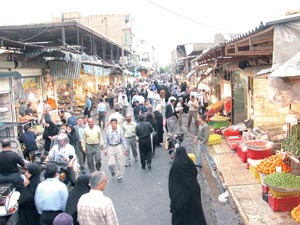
(28, 214)
(184, 191)
(81, 187)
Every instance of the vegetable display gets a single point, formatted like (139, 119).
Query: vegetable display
(282, 180)
(292, 142)
(268, 165)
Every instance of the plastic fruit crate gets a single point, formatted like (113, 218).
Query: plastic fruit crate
(219, 124)
(283, 204)
(214, 139)
(241, 153)
(230, 132)
(232, 141)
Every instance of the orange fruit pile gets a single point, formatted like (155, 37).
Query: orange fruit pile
(268, 165)
(296, 213)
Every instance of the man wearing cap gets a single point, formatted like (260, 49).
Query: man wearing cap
(63, 151)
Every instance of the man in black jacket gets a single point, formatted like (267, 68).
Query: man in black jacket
(9, 161)
(143, 130)
(171, 116)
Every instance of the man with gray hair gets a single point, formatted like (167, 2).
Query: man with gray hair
(95, 208)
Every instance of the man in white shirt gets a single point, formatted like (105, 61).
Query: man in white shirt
(64, 152)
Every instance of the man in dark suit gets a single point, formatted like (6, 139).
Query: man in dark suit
(170, 115)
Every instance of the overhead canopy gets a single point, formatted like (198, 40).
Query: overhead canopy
(13, 74)
(290, 68)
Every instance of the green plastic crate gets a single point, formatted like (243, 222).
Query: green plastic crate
(219, 124)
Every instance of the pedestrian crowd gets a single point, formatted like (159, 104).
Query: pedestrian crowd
(143, 112)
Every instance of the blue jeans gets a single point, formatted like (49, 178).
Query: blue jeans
(202, 149)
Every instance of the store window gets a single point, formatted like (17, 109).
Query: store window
(31, 89)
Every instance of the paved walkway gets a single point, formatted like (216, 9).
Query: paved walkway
(245, 189)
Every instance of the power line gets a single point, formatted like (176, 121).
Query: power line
(186, 17)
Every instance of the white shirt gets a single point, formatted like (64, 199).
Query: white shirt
(61, 154)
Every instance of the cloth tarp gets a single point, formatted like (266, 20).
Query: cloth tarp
(13, 74)
(283, 85)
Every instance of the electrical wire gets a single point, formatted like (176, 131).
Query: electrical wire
(186, 17)
(46, 28)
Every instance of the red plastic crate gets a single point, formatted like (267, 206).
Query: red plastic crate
(283, 204)
(265, 189)
(242, 154)
(230, 132)
(232, 141)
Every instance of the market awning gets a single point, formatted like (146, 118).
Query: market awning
(13, 74)
(264, 73)
(190, 73)
(290, 68)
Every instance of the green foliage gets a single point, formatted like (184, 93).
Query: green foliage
(292, 142)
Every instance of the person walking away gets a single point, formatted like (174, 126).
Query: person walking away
(81, 187)
(9, 161)
(116, 115)
(202, 138)
(88, 107)
(28, 214)
(101, 110)
(193, 112)
(72, 120)
(160, 125)
(79, 152)
(94, 207)
(92, 144)
(170, 115)
(50, 131)
(143, 130)
(184, 191)
(130, 136)
(115, 148)
(28, 138)
(152, 120)
(50, 196)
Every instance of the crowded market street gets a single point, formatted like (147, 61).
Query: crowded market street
(142, 197)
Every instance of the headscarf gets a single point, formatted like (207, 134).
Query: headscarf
(35, 171)
(81, 187)
(72, 136)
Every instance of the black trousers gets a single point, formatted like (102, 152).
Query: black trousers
(47, 217)
(145, 151)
